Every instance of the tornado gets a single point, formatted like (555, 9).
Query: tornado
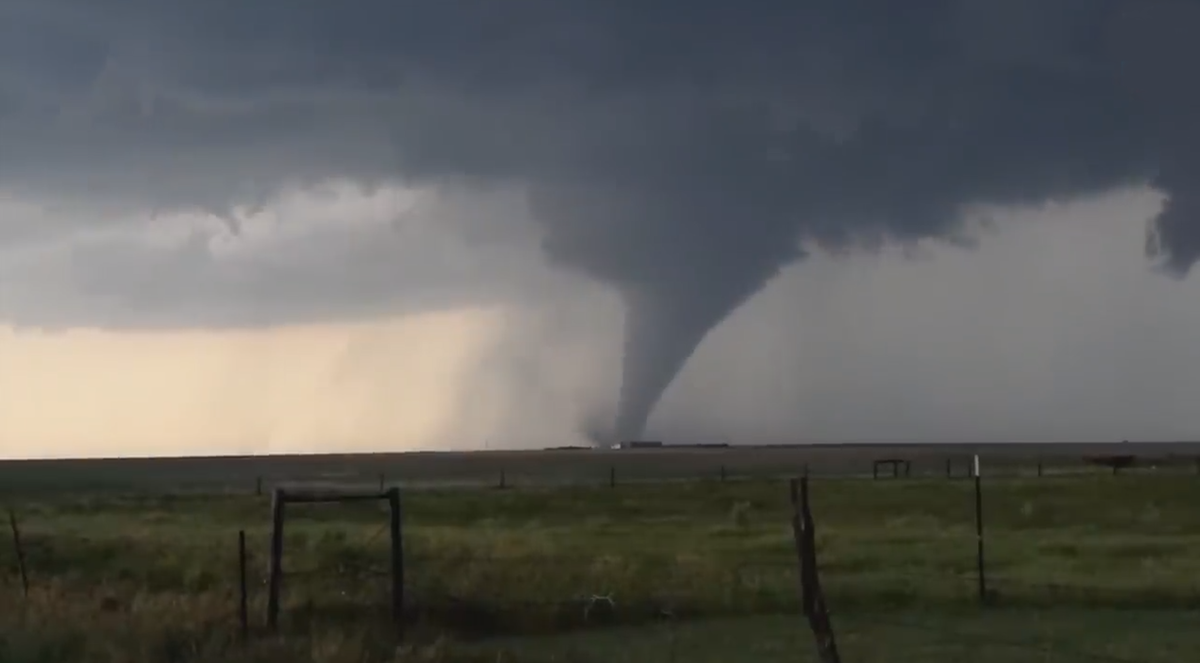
(661, 333)
(679, 263)
(663, 329)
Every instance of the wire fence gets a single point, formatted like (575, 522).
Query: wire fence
(695, 607)
(641, 467)
(591, 467)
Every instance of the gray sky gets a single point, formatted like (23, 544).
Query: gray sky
(868, 221)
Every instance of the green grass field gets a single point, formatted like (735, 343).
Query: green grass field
(1089, 567)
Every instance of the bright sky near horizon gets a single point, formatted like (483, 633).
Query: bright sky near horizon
(375, 225)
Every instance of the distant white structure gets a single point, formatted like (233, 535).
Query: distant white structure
(638, 444)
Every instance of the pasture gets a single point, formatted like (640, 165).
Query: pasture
(126, 563)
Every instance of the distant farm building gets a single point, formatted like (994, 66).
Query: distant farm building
(642, 444)
(639, 444)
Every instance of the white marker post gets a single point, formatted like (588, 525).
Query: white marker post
(979, 533)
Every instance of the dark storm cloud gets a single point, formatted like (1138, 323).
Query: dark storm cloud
(680, 151)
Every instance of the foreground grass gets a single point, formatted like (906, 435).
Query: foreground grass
(994, 636)
(146, 577)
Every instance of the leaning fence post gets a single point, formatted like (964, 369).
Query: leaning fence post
(979, 532)
(243, 601)
(20, 551)
(811, 597)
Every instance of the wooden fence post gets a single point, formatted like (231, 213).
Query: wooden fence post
(243, 599)
(503, 484)
(20, 552)
(258, 485)
(612, 477)
(722, 474)
(397, 538)
(811, 597)
(275, 573)
(979, 533)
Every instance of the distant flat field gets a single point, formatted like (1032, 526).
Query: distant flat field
(575, 466)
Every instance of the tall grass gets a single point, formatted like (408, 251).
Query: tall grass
(152, 577)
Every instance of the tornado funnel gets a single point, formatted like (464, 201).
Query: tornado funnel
(663, 329)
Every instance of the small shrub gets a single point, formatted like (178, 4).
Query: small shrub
(739, 515)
